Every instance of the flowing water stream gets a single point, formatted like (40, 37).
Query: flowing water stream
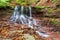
(27, 20)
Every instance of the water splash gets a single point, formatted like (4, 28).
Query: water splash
(27, 20)
(42, 34)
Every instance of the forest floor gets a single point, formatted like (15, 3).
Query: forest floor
(51, 29)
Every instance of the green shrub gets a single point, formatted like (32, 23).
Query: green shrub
(4, 3)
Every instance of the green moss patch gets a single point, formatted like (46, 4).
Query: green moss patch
(54, 22)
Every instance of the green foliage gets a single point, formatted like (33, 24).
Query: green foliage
(54, 22)
(4, 3)
(41, 7)
(26, 2)
(54, 1)
(50, 10)
(19, 2)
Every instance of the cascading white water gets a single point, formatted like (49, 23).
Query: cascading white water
(30, 11)
(22, 17)
(15, 15)
(27, 20)
(33, 22)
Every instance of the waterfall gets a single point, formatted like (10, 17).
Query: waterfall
(22, 16)
(27, 20)
(22, 9)
(30, 11)
(15, 14)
